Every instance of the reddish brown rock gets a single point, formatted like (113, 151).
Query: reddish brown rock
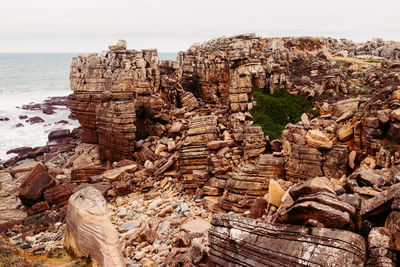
(254, 142)
(38, 207)
(34, 185)
(108, 92)
(194, 152)
(57, 194)
(83, 175)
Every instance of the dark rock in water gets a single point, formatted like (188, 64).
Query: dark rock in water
(239, 241)
(62, 122)
(56, 101)
(4, 119)
(19, 125)
(23, 117)
(32, 106)
(51, 102)
(20, 150)
(34, 120)
(59, 134)
(59, 138)
(48, 110)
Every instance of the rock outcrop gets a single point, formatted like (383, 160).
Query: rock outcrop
(89, 230)
(111, 92)
(250, 182)
(173, 142)
(240, 241)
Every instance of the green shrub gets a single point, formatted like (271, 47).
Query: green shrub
(273, 112)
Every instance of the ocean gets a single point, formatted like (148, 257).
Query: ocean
(32, 78)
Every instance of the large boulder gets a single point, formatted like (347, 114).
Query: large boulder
(89, 230)
(37, 181)
(239, 241)
(315, 202)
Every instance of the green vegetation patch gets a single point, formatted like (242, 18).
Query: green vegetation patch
(273, 112)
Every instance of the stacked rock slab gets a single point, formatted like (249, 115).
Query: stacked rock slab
(194, 152)
(336, 162)
(188, 101)
(316, 201)
(224, 70)
(105, 88)
(239, 241)
(116, 129)
(251, 181)
(304, 163)
(254, 142)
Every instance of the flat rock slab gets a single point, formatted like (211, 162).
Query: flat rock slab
(23, 167)
(196, 226)
(240, 241)
(116, 174)
(380, 203)
(220, 143)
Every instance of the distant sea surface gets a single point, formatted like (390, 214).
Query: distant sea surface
(32, 78)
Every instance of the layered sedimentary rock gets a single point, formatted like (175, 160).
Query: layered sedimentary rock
(240, 241)
(304, 163)
(194, 152)
(33, 187)
(227, 70)
(108, 91)
(316, 201)
(251, 181)
(254, 142)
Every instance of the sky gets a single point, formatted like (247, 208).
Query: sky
(173, 25)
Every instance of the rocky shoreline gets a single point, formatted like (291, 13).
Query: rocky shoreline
(170, 167)
(49, 107)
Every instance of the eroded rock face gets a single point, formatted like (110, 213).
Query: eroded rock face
(109, 91)
(250, 181)
(234, 241)
(226, 70)
(89, 230)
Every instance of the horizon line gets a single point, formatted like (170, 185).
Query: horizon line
(64, 52)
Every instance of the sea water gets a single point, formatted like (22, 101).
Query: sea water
(31, 78)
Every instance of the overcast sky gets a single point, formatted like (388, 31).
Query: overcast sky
(173, 25)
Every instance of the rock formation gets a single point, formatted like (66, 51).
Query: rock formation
(170, 143)
(89, 230)
(239, 241)
(110, 92)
